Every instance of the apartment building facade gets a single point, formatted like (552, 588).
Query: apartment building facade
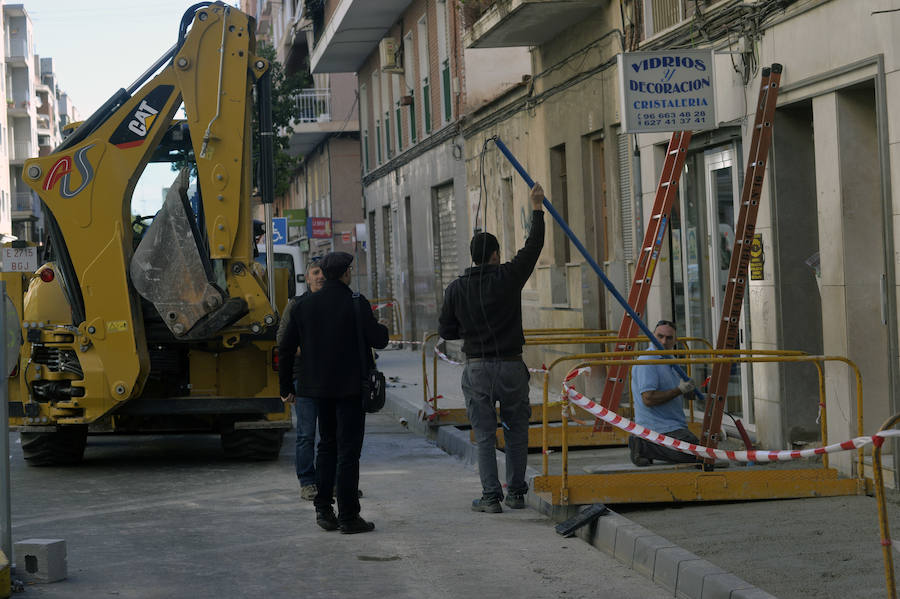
(325, 187)
(416, 83)
(828, 211)
(32, 123)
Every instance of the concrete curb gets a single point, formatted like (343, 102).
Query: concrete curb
(679, 571)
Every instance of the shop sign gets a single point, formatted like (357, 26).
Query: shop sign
(672, 90)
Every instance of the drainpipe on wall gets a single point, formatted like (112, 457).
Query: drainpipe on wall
(637, 192)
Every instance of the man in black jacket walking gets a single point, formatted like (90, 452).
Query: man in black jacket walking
(323, 326)
(483, 307)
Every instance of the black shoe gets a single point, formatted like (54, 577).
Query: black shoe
(634, 451)
(355, 526)
(491, 505)
(515, 501)
(326, 519)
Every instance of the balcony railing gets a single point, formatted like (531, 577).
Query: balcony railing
(21, 150)
(22, 201)
(314, 105)
(17, 48)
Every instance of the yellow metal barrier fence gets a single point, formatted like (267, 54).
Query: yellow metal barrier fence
(887, 550)
(752, 356)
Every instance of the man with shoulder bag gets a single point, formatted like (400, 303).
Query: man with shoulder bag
(332, 346)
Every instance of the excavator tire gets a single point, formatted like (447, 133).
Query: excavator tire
(64, 447)
(253, 444)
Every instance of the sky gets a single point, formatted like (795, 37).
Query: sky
(99, 46)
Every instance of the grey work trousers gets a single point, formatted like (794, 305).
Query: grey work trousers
(484, 384)
(652, 451)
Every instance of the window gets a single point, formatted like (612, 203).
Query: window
(409, 83)
(395, 84)
(364, 123)
(444, 60)
(424, 72)
(662, 14)
(376, 110)
(386, 112)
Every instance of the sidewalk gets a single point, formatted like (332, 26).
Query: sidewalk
(800, 548)
(161, 517)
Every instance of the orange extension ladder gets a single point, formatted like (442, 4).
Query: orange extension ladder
(736, 286)
(666, 192)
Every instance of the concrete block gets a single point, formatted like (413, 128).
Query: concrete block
(668, 560)
(721, 586)
(645, 549)
(40, 560)
(625, 540)
(602, 534)
(690, 578)
(752, 593)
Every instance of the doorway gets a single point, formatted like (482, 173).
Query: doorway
(703, 240)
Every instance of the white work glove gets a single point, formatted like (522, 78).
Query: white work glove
(687, 386)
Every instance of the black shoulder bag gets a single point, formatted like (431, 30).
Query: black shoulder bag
(373, 384)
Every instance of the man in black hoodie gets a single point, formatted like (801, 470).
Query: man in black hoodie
(483, 307)
(323, 325)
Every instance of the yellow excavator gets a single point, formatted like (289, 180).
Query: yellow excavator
(130, 327)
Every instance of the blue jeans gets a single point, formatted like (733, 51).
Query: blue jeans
(307, 413)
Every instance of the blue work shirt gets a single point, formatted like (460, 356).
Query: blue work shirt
(664, 418)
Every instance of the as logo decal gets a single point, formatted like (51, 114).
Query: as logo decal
(62, 171)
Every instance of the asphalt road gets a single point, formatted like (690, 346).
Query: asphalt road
(168, 516)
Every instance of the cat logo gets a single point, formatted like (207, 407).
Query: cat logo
(143, 119)
(136, 127)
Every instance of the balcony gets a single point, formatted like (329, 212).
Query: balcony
(18, 107)
(20, 151)
(324, 112)
(314, 105)
(23, 205)
(353, 33)
(17, 52)
(511, 23)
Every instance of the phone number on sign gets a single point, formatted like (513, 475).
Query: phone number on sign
(661, 119)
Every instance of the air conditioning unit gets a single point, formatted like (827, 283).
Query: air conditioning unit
(390, 53)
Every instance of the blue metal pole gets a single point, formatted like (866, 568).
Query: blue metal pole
(612, 288)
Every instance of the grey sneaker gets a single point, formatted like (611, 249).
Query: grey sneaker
(515, 501)
(308, 492)
(490, 505)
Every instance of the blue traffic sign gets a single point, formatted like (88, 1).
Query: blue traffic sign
(279, 231)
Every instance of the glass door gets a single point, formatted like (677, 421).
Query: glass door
(722, 202)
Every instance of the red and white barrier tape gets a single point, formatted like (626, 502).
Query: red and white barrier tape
(380, 306)
(707, 452)
(446, 359)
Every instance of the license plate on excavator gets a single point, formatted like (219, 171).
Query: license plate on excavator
(18, 259)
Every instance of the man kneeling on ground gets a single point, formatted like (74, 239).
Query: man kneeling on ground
(656, 391)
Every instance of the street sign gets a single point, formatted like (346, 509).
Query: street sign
(319, 227)
(18, 259)
(346, 237)
(279, 231)
(670, 90)
(296, 217)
